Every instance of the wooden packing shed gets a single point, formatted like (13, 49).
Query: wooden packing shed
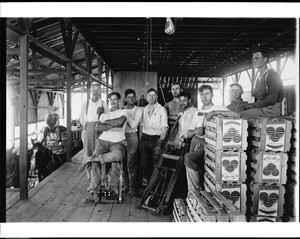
(68, 54)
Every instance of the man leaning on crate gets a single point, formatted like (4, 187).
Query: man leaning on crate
(194, 160)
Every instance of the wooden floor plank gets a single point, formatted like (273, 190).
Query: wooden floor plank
(136, 213)
(83, 211)
(154, 216)
(30, 206)
(12, 196)
(77, 158)
(59, 199)
(50, 207)
(120, 211)
(168, 218)
(65, 210)
(101, 212)
(35, 189)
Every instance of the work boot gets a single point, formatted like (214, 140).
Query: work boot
(96, 197)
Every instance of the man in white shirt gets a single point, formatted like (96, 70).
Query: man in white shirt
(110, 145)
(194, 160)
(134, 115)
(89, 116)
(155, 126)
(187, 110)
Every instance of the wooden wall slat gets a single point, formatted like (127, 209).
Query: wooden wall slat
(135, 81)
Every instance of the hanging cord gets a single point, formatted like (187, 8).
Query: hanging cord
(150, 62)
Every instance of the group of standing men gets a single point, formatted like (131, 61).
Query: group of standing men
(117, 134)
(110, 134)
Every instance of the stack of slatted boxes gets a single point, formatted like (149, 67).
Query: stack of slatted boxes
(225, 159)
(269, 141)
(291, 182)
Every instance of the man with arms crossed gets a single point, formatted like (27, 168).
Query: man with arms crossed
(110, 145)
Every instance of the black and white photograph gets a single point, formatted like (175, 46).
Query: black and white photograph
(151, 119)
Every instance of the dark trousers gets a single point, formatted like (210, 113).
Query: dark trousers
(148, 157)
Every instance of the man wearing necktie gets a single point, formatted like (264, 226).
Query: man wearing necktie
(154, 128)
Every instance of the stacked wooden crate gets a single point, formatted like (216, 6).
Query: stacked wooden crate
(291, 182)
(211, 207)
(269, 142)
(225, 159)
(180, 210)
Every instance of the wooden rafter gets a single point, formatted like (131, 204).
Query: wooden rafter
(100, 67)
(44, 71)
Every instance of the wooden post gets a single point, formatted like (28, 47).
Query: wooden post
(69, 140)
(23, 116)
(278, 65)
(106, 76)
(223, 88)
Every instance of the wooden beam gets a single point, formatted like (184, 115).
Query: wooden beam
(223, 89)
(69, 38)
(253, 78)
(35, 102)
(13, 51)
(283, 66)
(100, 67)
(34, 60)
(47, 54)
(69, 142)
(278, 65)
(49, 98)
(33, 97)
(106, 74)
(74, 42)
(21, 24)
(94, 78)
(47, 48)
(8, 58)
(51, 54)
(29, 24)
(45, 71)
(64, 34)
(23, 116)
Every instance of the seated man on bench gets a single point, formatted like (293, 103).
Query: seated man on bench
(52, 125)
(110, 145)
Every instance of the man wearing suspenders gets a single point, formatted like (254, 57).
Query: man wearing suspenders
(89, 116)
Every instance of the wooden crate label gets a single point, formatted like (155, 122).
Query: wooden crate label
(268, 202)
(271, 167)
(230, 168)
(233, 194)
(232, 132)
(275, 139)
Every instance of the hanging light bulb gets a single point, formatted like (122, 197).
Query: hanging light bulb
(169, 26)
